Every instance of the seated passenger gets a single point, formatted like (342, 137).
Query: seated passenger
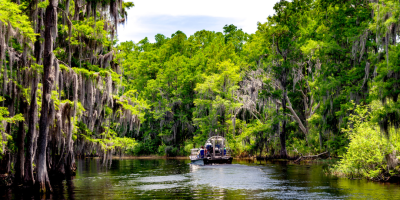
(209, 151)
(202, 152)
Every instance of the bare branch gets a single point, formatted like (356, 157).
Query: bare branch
(315, 109)
(277, 47)
(295, 116)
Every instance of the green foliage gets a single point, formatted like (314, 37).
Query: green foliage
(125, 7)
(128, 144)
(43, 4)
(235, 36)
(93, 30)
(365, 156)
(4, 117)
(147, 147)
(131, 103)
(215, 94)
(162, 78)
(12, 13)
(161, 150)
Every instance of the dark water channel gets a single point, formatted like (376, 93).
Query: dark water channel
(173, 179)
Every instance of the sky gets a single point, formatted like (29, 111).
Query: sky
(150, 17)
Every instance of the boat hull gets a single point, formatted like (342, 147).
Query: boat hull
(208, 161)
(218, 161)
(198, 162)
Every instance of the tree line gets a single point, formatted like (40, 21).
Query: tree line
(319, 75)
(294, 87)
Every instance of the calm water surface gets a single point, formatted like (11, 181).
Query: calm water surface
(173, 179)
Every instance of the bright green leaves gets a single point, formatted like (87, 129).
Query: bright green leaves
(12, 13)
(387, 80)
(96, 71)
(311, 47)
(125, 49)
(125, 7)
(4, 117)
(216, 98)
(235, 36)
(386, 13)
(223, 82)
(386, 61)
(365, 156)
(257, 47)
(43, 4)
(165, 75)
(91, 30)
(129, 101)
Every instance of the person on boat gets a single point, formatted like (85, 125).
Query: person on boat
(209, 149)
(201, 152)
(224, 151)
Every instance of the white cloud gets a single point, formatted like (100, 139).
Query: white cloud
(150, 17)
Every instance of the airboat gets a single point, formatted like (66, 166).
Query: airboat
(215, 150)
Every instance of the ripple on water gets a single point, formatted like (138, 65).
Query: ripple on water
(232, 176)
(157, 186)
(296, 195)
(161, 179)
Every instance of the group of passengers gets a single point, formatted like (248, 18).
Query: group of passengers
(208, 151)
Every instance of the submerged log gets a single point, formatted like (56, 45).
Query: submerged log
(321, 155)
(276, 157)
(296, 159)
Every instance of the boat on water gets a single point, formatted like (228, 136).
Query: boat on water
(215, 150)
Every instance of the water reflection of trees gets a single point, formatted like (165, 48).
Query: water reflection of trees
(62, 190)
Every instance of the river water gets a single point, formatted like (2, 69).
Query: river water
(172, 179)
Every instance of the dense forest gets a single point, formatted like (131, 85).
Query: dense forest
(319, 75)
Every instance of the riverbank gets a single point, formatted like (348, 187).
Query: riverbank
(149, 157)
(274, 157)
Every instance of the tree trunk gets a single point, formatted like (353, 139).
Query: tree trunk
(11, 106)
(19, 165)
(43, 181)
(70, 164)
(38, 44)
(320, 140)
(76, 15)
(5, 163)
(282, 135)
(28, 176)
(2, 46)
(5, 48)
(31, 136)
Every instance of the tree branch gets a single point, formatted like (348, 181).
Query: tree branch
(66, 14)
(315, 109)
(277, 47)
(63, 63)
(295, 116)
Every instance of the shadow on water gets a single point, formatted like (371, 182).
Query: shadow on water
(171, 179)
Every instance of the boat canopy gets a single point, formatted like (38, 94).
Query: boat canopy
(218, 141)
